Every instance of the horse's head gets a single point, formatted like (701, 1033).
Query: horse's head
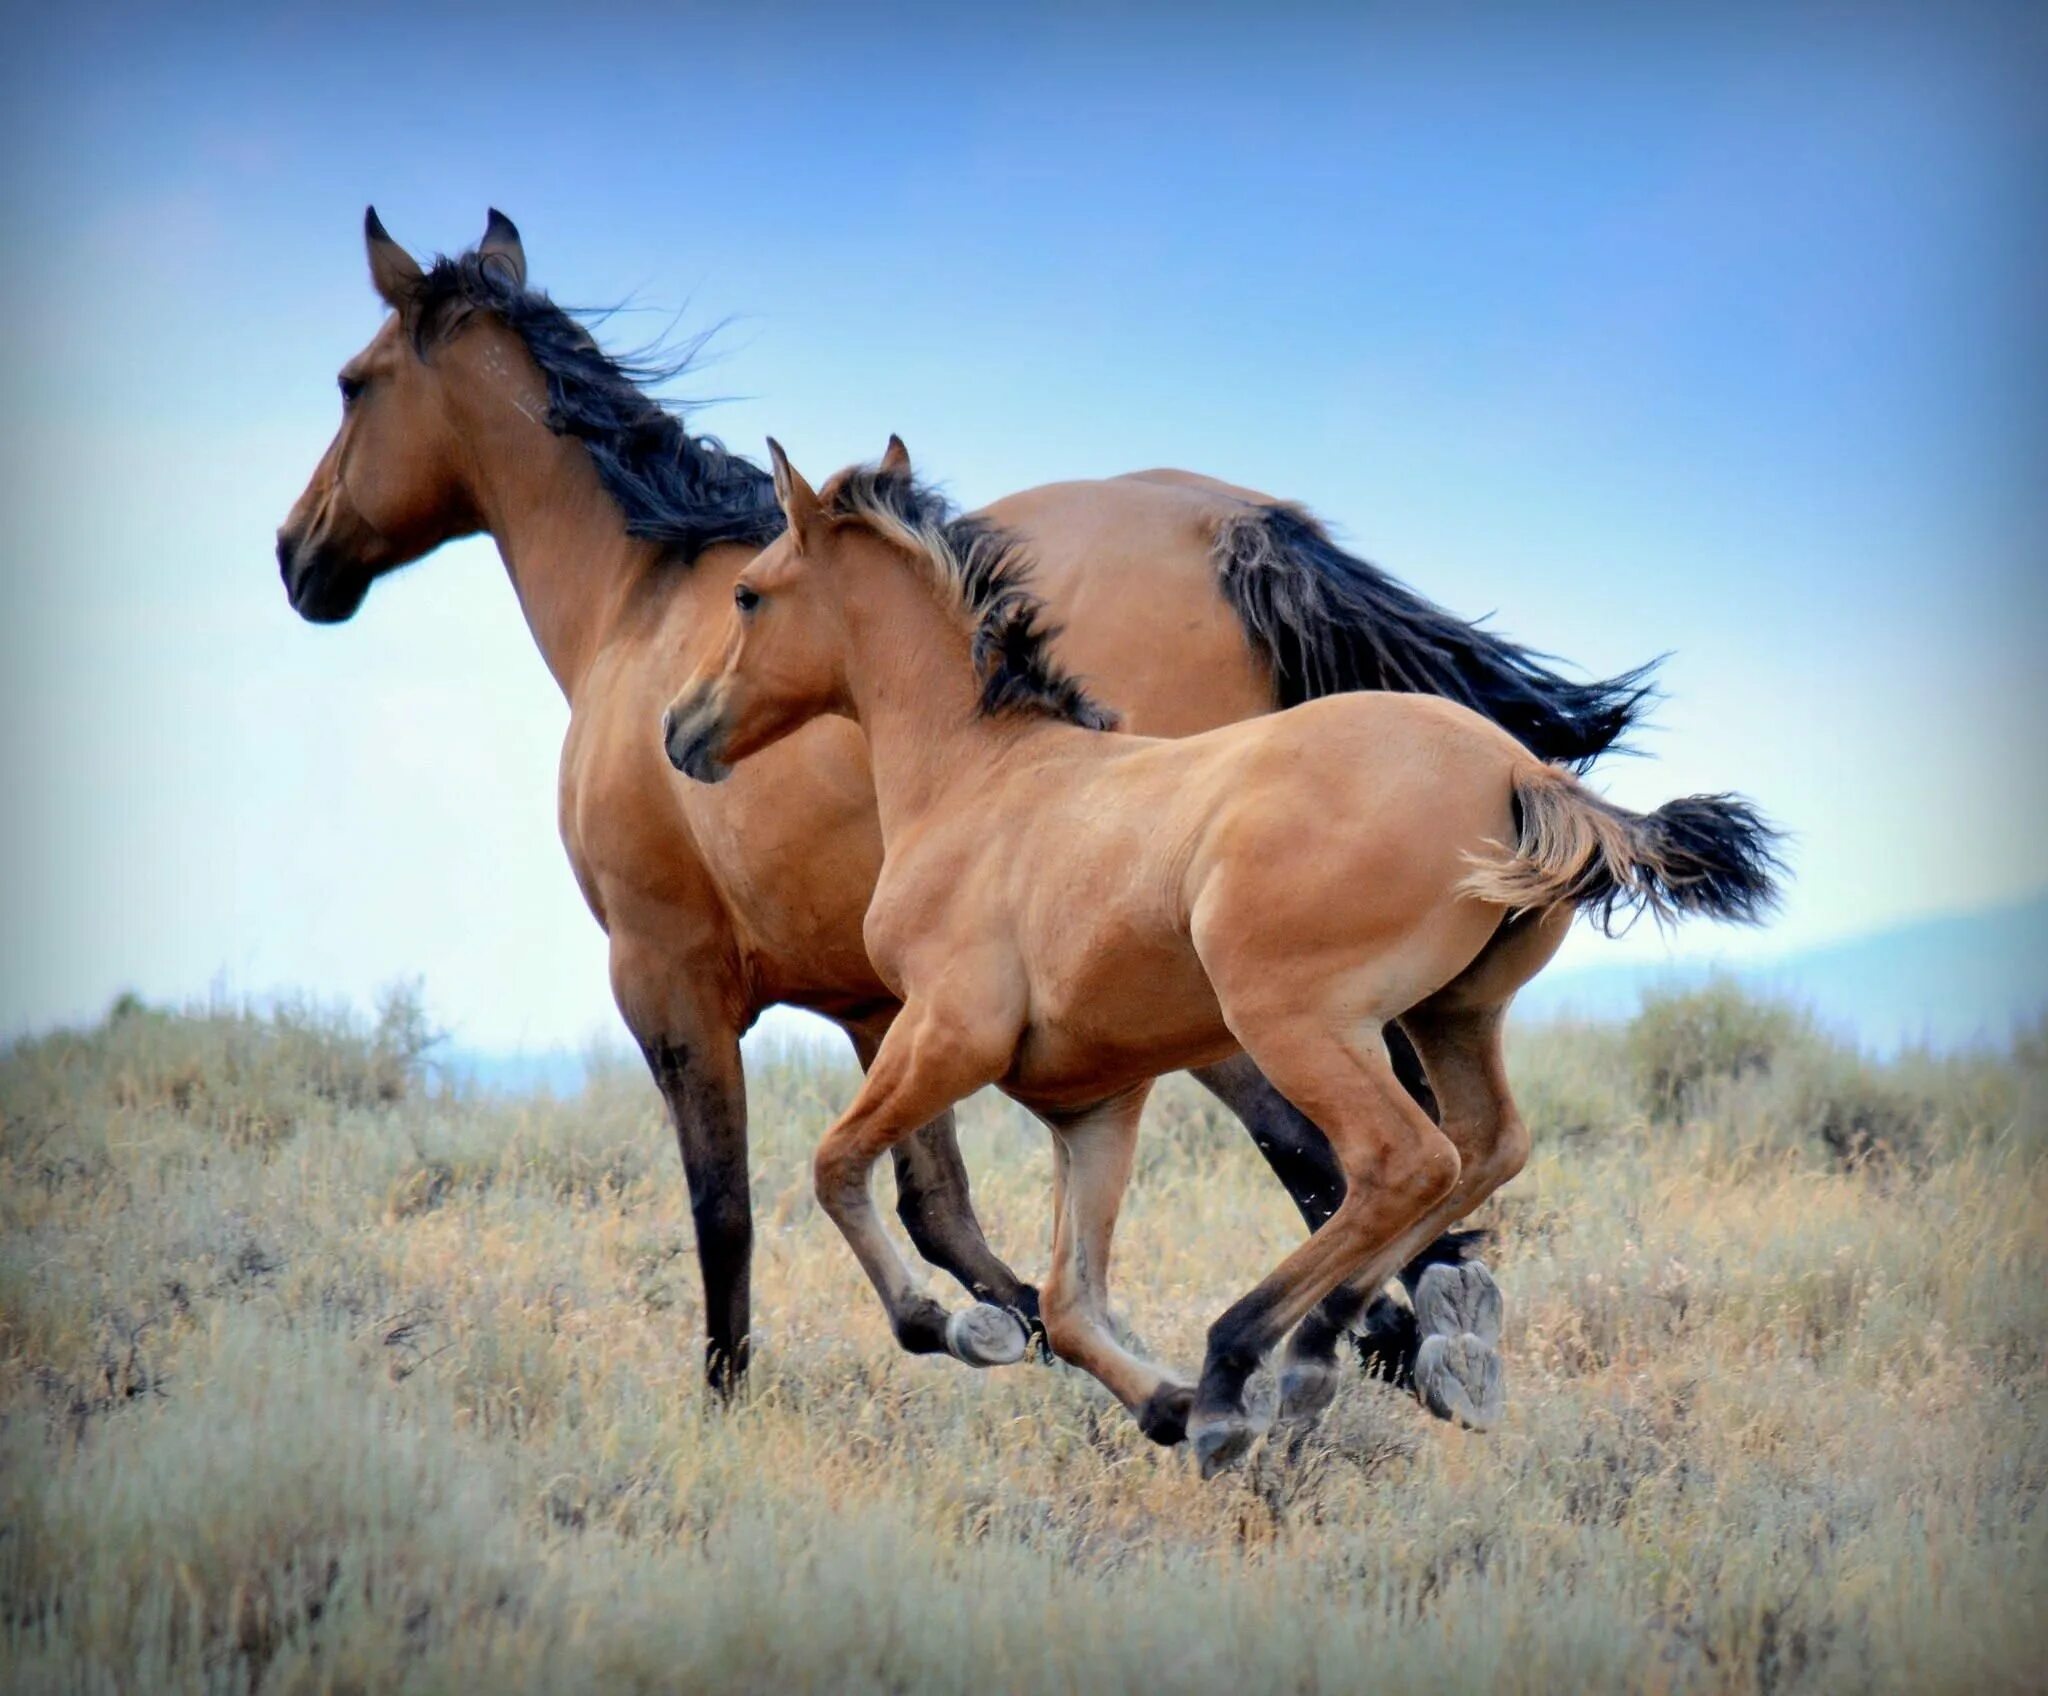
(391, 485)
(782, 660)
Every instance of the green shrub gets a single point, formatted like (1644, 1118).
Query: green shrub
(1684, 1043)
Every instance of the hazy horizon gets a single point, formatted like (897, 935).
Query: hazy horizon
(1715, 334)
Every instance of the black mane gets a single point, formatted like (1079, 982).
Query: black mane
(686, 492)
(989, 569)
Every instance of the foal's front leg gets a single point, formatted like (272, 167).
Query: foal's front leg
(1092, 1154)
(924, 1065)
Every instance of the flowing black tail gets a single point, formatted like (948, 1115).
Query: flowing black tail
(1708, 854)
(1328, 622)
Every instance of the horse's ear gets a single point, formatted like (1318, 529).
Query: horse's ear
(394, 272)
(798, 499)
(501, 251)
(895, 459)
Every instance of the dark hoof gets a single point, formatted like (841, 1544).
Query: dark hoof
(1164, 1416)
(986, 1336)
(1307, 1387)
(1454, 1299)
(1387, 1340)
(1459, 1378)
(1221, 1442)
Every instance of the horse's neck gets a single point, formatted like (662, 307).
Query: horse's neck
(562, 538)
(914, 691)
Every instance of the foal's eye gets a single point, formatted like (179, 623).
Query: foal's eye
(744, 598)
(351, 388)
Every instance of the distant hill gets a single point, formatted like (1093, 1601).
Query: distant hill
(1958, 982)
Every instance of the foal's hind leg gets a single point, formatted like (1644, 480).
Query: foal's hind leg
(1457, 1308)
(1092, 1155)
(1397, 1165)
(1301, 1158)
(925, 1064)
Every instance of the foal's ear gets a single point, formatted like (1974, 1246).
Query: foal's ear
(501, 252)
(895, 459)
(798, 499)
(394, 272)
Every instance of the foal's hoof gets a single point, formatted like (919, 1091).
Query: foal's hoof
(1457, 1368)
(1163, 1417)
(986, 1336)
(1307, 1387)
(1459, 1378)
(1221, 1442)
(1462, 1298)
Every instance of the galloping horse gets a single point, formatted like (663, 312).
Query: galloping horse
(480, 405)
(1069, 914)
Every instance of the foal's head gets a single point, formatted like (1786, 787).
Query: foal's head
(783, 660)
(391, 485)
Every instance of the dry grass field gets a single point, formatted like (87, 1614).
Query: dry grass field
(313, 1379)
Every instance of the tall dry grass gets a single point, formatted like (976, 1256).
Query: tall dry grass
(310, 1380)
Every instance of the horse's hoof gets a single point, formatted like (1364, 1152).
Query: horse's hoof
(1307, 1387)
(1459, 1378)
(1221, 1442)
(1454, 1299)
(986, 1336)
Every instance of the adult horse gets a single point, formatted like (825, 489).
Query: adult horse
(481, 406)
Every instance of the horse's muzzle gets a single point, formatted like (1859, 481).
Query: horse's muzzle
(318, 592)
(690, 735)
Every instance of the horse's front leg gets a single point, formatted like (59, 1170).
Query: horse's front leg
(923, 1065)
(937, 1210)
(692, 1047)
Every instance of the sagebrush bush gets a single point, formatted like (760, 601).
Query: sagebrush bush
(1685, 1042)
(243, 1073)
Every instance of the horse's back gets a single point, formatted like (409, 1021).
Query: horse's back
(1126, 567)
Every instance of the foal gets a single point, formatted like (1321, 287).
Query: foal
(1069, 915)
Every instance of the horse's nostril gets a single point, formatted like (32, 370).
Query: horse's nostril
(285, 551)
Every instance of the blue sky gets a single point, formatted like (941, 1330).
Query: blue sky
(1717, 335)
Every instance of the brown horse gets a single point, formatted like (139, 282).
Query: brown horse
(1069, 914)
(479, 405)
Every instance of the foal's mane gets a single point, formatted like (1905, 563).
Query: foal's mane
(686, 492)
(986, 571)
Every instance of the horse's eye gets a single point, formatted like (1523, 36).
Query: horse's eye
(745, 598)
(351, 388)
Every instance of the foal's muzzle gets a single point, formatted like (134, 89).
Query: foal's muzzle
(691, 733)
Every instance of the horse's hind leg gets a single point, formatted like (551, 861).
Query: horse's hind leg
(1398, 1168)
(1092, 1155)
(924, 1064)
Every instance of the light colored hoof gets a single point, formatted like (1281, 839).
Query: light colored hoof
(1307, 1388)
(1459, 1299)
(1459, 1378)
(987, 1336)
(1221, 1443)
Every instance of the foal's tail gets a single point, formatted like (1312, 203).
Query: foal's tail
(1709, 854)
